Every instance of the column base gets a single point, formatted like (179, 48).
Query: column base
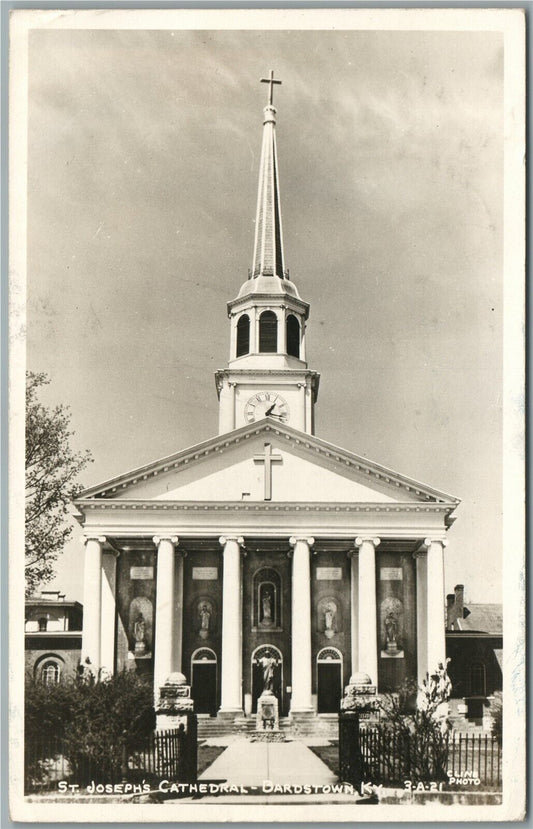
(302, 714)
(229, 714)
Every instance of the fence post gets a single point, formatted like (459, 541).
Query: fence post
(350, 759)
(192, 748)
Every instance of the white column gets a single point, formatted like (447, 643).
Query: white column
(164, 609)
(233, 337)
(309, 407)
(421, 614)
(231, 673)
(254, 331)
(366, 599)
(92, 602)
(226, 420)
(354, 626)
(178, 614)
(300, 412)
(302, 340)
(282, 331)
(436, 627)
(108, 614)
(301, 701)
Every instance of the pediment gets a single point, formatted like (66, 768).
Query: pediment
(232, 467)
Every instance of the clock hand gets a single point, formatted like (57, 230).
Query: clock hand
(269, 410)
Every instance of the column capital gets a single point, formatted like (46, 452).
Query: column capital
(308, 539)
(100, 538)
(223, 540)
(429, 541)
(157, 539)
(360, 540)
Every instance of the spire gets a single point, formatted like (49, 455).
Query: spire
(268, 246)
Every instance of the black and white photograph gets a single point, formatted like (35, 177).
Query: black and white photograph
(266, 379)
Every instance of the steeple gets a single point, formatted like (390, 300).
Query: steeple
(267, 373)
(268, 247)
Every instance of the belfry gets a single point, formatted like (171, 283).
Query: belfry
(265, 554)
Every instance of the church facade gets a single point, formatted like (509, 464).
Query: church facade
(265, 545)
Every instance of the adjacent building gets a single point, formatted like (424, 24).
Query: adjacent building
(53, 633)
(474, 646)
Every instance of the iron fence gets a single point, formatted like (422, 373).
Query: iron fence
(51, 761)
(394, 757)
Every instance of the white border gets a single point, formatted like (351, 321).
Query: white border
(511, 23)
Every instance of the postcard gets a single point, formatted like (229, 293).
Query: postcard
(266, 375)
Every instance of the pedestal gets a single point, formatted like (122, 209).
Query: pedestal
(267, 719)
(174, 703)
(360, 697)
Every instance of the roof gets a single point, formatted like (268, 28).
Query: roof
(307, 443)
(483, 618)
(36, 602)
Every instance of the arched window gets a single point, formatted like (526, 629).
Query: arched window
(293, 336)
(51, 673)
(268, 332)
(243, 335)
(477, 680)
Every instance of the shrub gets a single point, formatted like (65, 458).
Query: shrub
(96, 720)
(414, 721)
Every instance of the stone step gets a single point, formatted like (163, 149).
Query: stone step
(323, 726)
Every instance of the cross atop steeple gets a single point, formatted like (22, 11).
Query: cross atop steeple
(268, 245)
(270, 81)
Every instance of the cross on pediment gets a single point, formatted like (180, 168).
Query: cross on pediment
(268, 459)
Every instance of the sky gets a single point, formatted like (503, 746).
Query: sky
(143, 153)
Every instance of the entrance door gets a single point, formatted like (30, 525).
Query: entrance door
(264, 659)
(204, 681)
(329, 681)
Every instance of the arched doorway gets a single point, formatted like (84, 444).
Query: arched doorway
(329, 680)
(204, 681)
(260, 659)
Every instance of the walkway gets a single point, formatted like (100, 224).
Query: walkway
(245, 763)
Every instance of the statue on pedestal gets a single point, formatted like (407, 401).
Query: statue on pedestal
(268, 663)
(329, 619)
(204, 613)
(139, 630)
(266, 606)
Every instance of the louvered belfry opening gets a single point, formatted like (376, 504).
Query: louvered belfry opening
(293, 336)
(243, 335)
(268, 332)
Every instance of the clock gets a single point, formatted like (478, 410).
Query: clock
(266, 404)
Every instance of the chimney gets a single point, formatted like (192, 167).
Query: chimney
(450, 611)
(459, 600)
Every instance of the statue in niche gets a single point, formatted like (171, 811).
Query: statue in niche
(139, 631)
(391, 630)
(330, 618)
(267, 608)
(268, 663)
(392, 627)
(140, 627)
(205, 612)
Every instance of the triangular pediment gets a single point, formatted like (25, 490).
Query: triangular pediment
(232, 467)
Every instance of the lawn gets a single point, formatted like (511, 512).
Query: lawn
(329, 755)
(207, 755)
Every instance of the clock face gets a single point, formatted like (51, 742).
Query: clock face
(266, 404)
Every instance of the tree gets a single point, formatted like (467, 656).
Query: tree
(51, 471)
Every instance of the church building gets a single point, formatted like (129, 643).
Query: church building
(265, 543)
